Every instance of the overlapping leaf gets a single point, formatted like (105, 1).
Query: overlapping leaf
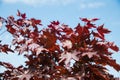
(50, 50)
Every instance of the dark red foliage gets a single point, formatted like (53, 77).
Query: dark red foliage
(35, 22)
(21, 15)
(55, 23)
(89, 20)
(5, 48)
(10, 29)
(50, 50)
(102, 30)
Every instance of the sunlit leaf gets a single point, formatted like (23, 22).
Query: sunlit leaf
(58, 51)
(67, 56)
(33, 46)
(89, 54)
(67, 43)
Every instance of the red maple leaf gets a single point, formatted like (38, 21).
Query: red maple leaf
(102, 30)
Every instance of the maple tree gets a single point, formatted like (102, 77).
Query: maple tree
(58, 52)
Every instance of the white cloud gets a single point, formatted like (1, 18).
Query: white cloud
(10, 1)
(86, 4)
(40, 2)
(83, 3)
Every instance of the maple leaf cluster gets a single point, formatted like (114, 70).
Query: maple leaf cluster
(58, 52)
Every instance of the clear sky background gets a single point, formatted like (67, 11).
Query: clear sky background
(68, 12)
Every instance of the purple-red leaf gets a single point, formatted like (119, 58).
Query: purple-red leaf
(113, 46)
(90, 25)
(98, 35)
(79, 29)
(18, 13)
(89, 20)
(85, 19)
(94, 19)
(35, 21)
(7, 65)
(5, 48)
(10, 29)
(23, 16)
(102, 30)
(55, 22)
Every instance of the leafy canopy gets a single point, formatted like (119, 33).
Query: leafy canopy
(58, 52)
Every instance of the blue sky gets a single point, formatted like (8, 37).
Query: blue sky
(68, 12)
